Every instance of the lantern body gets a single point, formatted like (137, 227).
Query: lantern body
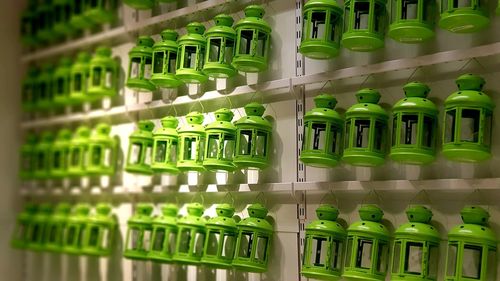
(412, 20)
(468, 122)
(45, 29)
(323, 130)
(253, 138)
(140, 65)
(165, 61)
(80, 72)
(78, 19)
(44, 93)
(28, 158)
(61, 82)
(190, 236)
(42, 156)
(220, 142)
(322, 29)
(364, 25)
(464, 17)
(30, 90)
(140, 4)
(414, 127)
(164, 235)
(24, 221)
(221, 40)
(98, 238)
(192, 143)
(56, 227)
(59, 154)
(415, 254)
(78, 152)
(101, 11)
(220, 241)
(324, 246)
(29, 25)
(472, 248)
(75, 228)
(254, 241)
(367, 252)
(253, 38)
(140, 149)
(140, 226)
(38, 228)
(366, 131)
(498, 8)
(102, 152)
(62, 15)
(191, 55)
(103, 79)
(165, 146)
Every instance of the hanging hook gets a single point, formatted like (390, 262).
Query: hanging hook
(472, 60)
(202, 198)
(413, 74)
(330, 193)
(370, 193)
(324, 85)
(422, 193)
(228, 100)
(261, 198)
(230, 196)
(365, 80)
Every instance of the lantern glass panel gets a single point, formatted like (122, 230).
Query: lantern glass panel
(75, 156)
(43, 91)
(245, 142)
(229, 51)
(335, 28)
(159, 239)
(413, 258)
(60, 86)
(379, 17)
(379, 135)
(409, 129)
(335, 139)
(261, 144)
(382, 257)
(52, 237)
(148, 67)
(318, 25)
(215, 47)
(94, 236)
(492, 265)
(347, 18)
(56, 162)
(172, 238)
(185, 241)
(428, 132)
(97, 72)
(337, 254)
(135, 153)
(433, 261)
(77, 84)
(361, 15)
(228, 246)
(362, 133)
(487, 129)
(213, 145)
(36, 232)
(172, 62)
(199, 241)
(190, 56)
(246, 245)
(213, 243)
(469, 129)
(348, 140)
(158, 62)
(450, 125)
(74, 235)
(452, 260)
(348, 253)
(135, 67)
(364, 255)
(397, 257)
(462, 3)
(245, 41)
(161, 150)
(262, 39)
(191, 149)
(41, 160)
(261, 249)
(319, 251)
(319, 136)
(78, 6)
(409, 9)
(394, 128)
(229, 143)
(471, 265)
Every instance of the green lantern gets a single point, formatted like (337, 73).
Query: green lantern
(322, 29)
(78, 16)
(164, 235)
(191, 236)
(191, 143)
(412, 20)
(220, 48)
(42, 156)
(324, 246)
(30, 90)
(140, 4)
(62, 16)
(59, 154)
(165, 60)
(38, 231)
(140, 65)
(220, 242)
(253, 138)
(468, 121)
(99, 234)
(45, 98)
(253, 244)
(415, 255)
(103, 79)
(61, 82)
(472, 248)
(364, 25)
(102, 151)
(28, 156)
(140, 149)
(80, 72)
(366, 131)
(45, 28)
(323, 127)
(165, 146)
(464, 17)
(29, 24)
(140, 226)
(414, 126)
(367, 251)
(101, 11)
(78, 152)
(498, 8)
(220, 142)
(191, 55)
(75, 228)
(56, 227)
(24, 221)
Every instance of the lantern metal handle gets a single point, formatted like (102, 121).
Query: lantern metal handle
(369, 194)
(202, 198)
(413, 73)
(200, 104)
(230, 196)
(421, 193)
(365, 80)
(261, 198)
(474, 59)
(331, 194)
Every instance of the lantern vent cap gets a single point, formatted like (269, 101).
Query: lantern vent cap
(324, 4)
(327, 212)
(31, 138)
(371, 212)
(254, 109)
(63, 208)
(82, 209)
(474, 215)
(103, 209)
(145, 41)
(103, 129)
(195, 209)
(169, 35)
(223, 20)
(416, 90)
(83, 57)
(30, 208)
(33, 71)
(195, 118)
(224, 114)
(368, 95)
(47, 136)
(257, 211)
(169, 122)
(64, 135)
(144, 209)
(419, 214)
(45, 208)
(195, 28)
(255, 11)
(65, 62)
(83, 132)
(470, 82)
(103, 51)
(325, 101)
(225, 210)
(47, 67)
(146, 125)
(169, 210)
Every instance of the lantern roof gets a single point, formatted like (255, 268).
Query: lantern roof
(63, 135)
(257, 218)
(168, 127)
(169, 210)
(30, 208)
(254, 112)
(253, 18)
(419, 224)
(223, 25)
(324, 110)
(63, 208)
(46, 137)
(367, 104)
(82, 209)
(103, 51)
(224, 218)
(475, 227)
(194, 120)
(144, 130)
(327, 221)
(142, 214)
(143, 46)
(324, 4)
(470, 93)
(168, 39)
(82, 58)
(370, 224)
(45, 209)
(416, 99)
(103, 129)
(64, 62)
(194, 216)
(81, 135)
(223, 117)
(103, 209)
(168, 216)
(194, 34)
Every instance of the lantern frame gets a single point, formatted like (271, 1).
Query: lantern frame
(102, 153)
(42, 153)
(139, 228)
(80, 73)
(98, 238)
(165, 146)
(190, 236)
(103, 74)
(164, 235)
(221, 40)
(472, 18)
(22, 232)
(61, 82)
(141, 149)
(38, 230)
(220, 142)
(78, 152)
(59, 154)
(103, 12)
(140, 66)
(140, 4)
(28, 157)
(165, 61)
(56, 226)
(410, 28)
(191, 46)
(62, 15)
(30, 90)
(75, 229)
(45, 98)
(29, 25)
(192, 132)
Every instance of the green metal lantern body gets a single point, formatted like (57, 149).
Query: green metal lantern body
(44, 93)
(367, 252)
(59, 154)
(42, 156)
(30, 90)
(191, 236)
(102, 11)
(165, 146)
(191, 55)
(80, 72)
(253, 138)
(140, 226)
(254, 241)
(98, 239)
(498, 9)
(221, 40)
(464, 17)
(364, 25)
(78, 19)
(38, 230)
(468, 122)
(191, 144)
(24, 220)
(220, 241)
(103, 79)
(140, 65)
(56, 226)
(253, 39)
(165, 61)
(61, 82)
(164, 237)
(28, 158)
(103, 150)
(75, 228)
(323, 134)
(322, 29)
(45, 29)
(78, 152)
(366, 131)
(62, 15)
(324, 246)
(140, 4)
(414, 127)
(415, 255)
(140, 149)
(472, 248)
(29, 25)
(220, 142)
(412, 20)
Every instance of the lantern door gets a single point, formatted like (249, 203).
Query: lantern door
(138, 238)
(365, 133)
(190, 242)
(220, 244)
(140, 67)
(367, 254)
(77, 157)
(220, 146)
(73, 237)
(102, 156)
(191, 148)
(253, 246)
(54, 234)
(191, 57)
(416, 258)
(140, 152)
(21, 233)
(414, 130)
(165, 151)
(61, 86)
(164, 239)
(220, 50)
(164, 62)
(103, 77)
(468, 125)
(253, 143)
(252, 42)
(79, 82)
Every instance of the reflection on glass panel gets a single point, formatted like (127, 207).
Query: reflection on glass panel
(213, 146)
(245, 142)
(335, 27)
(135, 67)
(261, 44)
(348, 253)
(52, 234)
(146, 239)
(383, 257)
(60, 86)
(228, 246)
(214, 51)
(229, 147)
(394, 128)
(56, 161)
(199, 242)
(335, 141)
(362, 133)
(135, 153)
(347, 17)
(471, 261)
(380, 17)
(413, 258)
(428, 132)
(492, 265)
(336, 257)
(134, 235)
(433, 261)
(94, 236)
(171, 242)
(245, 42)
(96, 75)
(469, 129)
(158, 62)
(213, 243)
(397, 257)
(75, 156)
(362, 15)
(159, 239)
(189, 57)
(185, 240)
(318, 25)
(364, 255)
(348, 139)
(71, 234)
(96, 155)
(452, 260)
(190, 148)
(148, 68)
(487, 129)
(172, 62)
(462, 3)
(379, 135)
(319, 251)
(410, 9)
(173, 152)
(409, 129)
(229, 51)
(450, 125)
(261, 144)
(261, 250)
(161, 150)
(319, 136)
(246, 245)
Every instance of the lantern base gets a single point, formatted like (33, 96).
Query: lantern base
(98, 171)
(319, 50)
(363, 159)
(47, 35)
(191, 76)
(412, 156)
(244, 163)
(466, 21)
(411, 32)
(186, 260)
(53, 248)
(216, 263)
(159, 258)
(95, 252)
(29, 41)
(136, 255)
(100, 16)
(78, 98)
(460, 153)
(214, 165)
(168, 81)
(99, 92)
(45, 105)
(72, 251)
(140, 4)
(320, 274)
(319, 160)
(140, 85)
(139, 169)
(360, 276)
(218, 70)
(251, 64)
(80, 22)
(64, 29)
(62, 101)
(162, 168)
(362, 41)
(191, 167)
(246, 266)
(58, 174)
